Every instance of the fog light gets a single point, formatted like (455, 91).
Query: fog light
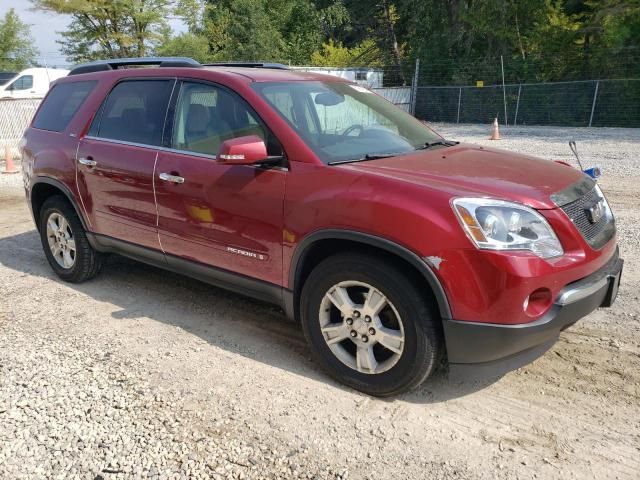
(537, 303)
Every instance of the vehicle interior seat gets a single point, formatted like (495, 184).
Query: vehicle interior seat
(205, 130)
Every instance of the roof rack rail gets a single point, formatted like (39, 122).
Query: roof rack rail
(278, 66)
(114, 64)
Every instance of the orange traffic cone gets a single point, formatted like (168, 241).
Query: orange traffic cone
(10, 167)
(495, 130)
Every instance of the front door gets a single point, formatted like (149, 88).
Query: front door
(116, 161)
(228, 217)
(21, 87)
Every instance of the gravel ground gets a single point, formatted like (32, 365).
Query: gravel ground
(141, 373)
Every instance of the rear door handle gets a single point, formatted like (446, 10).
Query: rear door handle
(89, 162)
(167, 177)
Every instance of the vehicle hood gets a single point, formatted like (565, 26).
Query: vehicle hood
(471, 170)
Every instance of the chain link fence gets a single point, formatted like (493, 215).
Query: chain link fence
(588, 103)
(15, 117)
(578, 103)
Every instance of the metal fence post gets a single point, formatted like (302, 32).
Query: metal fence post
(459, 99)
(593, 105)
(504, 92)
(515, 118)
(414, 88)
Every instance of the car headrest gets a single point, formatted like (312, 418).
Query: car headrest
(197, 118)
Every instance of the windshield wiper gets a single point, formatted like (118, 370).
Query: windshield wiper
(368, 156)
(444, 143)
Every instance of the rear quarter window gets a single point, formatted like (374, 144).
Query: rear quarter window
(61, 105)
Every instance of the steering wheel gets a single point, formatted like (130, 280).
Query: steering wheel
(352, 128)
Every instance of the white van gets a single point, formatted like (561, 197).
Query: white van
(31, 83)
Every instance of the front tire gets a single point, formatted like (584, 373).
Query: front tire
(369, 325)
(65, 242)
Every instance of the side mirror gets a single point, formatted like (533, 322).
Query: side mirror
(247, 150)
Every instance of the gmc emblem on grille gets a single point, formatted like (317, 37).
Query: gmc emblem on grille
(596, 211)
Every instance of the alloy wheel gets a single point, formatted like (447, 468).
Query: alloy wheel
(361, 327)
(61, 241)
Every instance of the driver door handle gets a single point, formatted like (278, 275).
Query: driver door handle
(167, 177)
(89, 162)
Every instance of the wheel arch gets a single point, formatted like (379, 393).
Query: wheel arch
(45, 187)
(316, 246)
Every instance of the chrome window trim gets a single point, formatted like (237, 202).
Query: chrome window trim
(174, 150)
(154, 147)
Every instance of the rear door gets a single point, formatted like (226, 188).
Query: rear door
(116, 161)
(224, 216)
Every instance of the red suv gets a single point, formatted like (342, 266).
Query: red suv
(395, 248)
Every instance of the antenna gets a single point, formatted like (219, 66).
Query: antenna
(46, 70)
(574, 149)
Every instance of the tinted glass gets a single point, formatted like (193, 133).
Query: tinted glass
(135, 112)
(23, 83)
(5, 77)
(340, 121)
(61, 104)
(207, 115)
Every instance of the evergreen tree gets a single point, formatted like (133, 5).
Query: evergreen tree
(16, 44)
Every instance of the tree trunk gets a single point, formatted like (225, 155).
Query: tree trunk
(395, 51)
(520, 45)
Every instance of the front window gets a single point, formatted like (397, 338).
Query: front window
(343, 122)
(207, 115)
(22, 83)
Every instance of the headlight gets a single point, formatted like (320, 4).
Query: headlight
(607, 209)
(499, 225)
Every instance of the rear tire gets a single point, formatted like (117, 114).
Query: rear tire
(383, 353)
(65, 242)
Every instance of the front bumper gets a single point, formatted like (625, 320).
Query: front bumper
(482, 350)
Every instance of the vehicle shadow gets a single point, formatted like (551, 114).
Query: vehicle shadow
(224, 319)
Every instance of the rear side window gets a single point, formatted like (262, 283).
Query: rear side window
(134, 112)
(61, 105)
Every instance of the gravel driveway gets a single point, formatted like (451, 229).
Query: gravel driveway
(142, 373)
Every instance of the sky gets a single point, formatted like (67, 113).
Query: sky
(44, 26)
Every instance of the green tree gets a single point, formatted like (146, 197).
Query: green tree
(110, 28)
(242, 30)
(16, 45)
(457, 41)
(277, 30)
(333, 54)
(186, 45)
(301, 32)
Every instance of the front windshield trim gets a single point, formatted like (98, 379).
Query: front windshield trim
(341, 121)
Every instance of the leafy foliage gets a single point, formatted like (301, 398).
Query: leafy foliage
(334, 54)
(110, 28)
(457, 41)
(16, 45)
(186, 45)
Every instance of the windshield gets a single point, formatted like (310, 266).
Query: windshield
(343, 122)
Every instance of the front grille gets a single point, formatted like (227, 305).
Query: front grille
(596, 234)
